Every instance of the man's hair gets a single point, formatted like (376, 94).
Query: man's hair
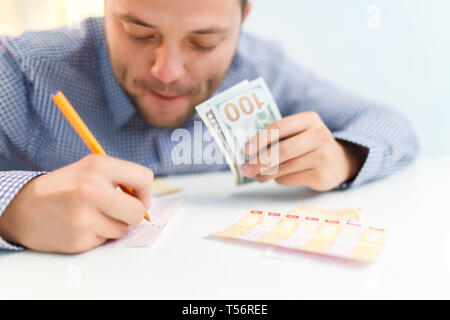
(244, 5)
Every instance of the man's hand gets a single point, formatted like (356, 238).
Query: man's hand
(78, 207)
(308, 154)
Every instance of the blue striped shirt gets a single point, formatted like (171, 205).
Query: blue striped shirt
(76, 61)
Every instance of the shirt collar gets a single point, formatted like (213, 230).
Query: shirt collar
(118, 103)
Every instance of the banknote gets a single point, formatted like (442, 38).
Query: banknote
(236, 115)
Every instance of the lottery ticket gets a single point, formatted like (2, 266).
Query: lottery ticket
(162, 211)
(340, 214)
(321, 235)
(161, 187)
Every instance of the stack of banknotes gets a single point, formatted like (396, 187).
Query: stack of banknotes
(236, 115)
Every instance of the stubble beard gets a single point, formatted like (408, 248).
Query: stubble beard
(212, 85)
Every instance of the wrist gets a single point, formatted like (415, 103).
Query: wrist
(11, 223)
(356, 156)
(5, 231)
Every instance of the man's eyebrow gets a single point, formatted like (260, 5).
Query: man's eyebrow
(211, 30)
(135, 20)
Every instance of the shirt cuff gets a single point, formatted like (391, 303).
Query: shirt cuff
(11, 182)
(374, 162)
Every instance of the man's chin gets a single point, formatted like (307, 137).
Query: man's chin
(166, 124)
(165, 114)
(171, 122)
(161, 117)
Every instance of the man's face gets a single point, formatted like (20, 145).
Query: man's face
(169, 56)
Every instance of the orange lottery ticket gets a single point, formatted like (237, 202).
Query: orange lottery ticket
(322, 235)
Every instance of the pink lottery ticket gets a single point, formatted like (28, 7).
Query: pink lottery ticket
(145, 234)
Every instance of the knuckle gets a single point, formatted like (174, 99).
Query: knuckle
(87, 189)
(276, 126)
(313, 115)
(92, 161)
(325, 156)
(319, 176)
(79, 218)
(320, 181)
(323, 135)
(283, 151)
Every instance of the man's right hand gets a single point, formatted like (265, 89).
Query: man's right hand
(78, 207)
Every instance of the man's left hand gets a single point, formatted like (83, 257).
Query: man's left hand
(308, 154)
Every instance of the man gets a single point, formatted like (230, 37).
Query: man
(134, 77)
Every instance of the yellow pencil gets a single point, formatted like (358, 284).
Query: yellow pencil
(80, 127)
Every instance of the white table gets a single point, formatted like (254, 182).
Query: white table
(185, 264)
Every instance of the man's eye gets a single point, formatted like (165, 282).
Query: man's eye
(204, 48)
(142, 38)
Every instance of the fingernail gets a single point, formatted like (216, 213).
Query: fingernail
(260, 179)
(148, 206)
(248, 170)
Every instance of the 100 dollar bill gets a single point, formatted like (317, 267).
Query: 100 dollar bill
(237, 114)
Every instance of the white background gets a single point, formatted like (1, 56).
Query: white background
(404, 64)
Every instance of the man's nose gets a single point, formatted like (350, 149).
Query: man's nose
(168, 65)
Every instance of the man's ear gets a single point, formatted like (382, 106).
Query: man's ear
(247, 10)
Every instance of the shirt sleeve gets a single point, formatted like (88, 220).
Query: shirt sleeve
(11, 182)
(15, 126)
(388, 135)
